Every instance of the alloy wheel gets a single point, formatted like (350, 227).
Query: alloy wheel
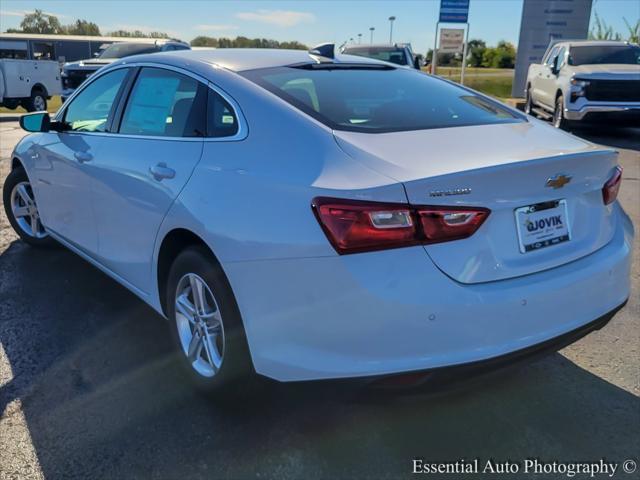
(39, 103)
(199, 324)
(25, 210)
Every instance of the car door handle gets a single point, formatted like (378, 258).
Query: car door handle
(161, 171)
(83, 157)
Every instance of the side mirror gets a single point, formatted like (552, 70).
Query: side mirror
(417, 63)
(555, 66)
(36, 122)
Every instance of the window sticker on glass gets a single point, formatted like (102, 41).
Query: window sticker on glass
(151, 103)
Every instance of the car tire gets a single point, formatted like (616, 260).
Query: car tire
(37, 102)
(22, 210)
(558, 119)
(528, 103)
(11, 103)
(197, 321)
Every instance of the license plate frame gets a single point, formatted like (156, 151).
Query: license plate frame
(552, 233)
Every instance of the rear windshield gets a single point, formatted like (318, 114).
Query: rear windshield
(593, 55)
(387, 54)
(376, 100)
(121, 50)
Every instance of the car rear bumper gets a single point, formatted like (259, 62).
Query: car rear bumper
(391, 312)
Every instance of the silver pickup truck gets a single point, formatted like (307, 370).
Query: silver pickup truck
(586, 81)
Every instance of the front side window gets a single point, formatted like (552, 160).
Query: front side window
(166, 104)
(89, 110)
(552, 54)
(379, 99)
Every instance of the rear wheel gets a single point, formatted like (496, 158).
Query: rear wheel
(205, 322)
(22, 210)
(37, 102)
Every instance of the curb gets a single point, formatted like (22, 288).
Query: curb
(9, 117)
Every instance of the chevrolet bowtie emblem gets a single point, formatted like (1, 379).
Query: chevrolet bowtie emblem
(558, 181)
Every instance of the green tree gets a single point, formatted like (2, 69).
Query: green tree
(83, 27)
(39, 22)
(244, 42)
(137, 33)
(501, 56)
(475, 50)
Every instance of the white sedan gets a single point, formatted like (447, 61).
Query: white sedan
(309, 217)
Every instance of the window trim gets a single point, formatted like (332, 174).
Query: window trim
(123, 97)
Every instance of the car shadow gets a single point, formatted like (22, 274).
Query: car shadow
(102, 397)
(612, 136)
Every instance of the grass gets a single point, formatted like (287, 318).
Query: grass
(52, 106)
(497, 84)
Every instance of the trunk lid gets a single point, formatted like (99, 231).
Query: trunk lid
(503, 168)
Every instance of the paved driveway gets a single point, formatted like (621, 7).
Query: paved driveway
(88, 389)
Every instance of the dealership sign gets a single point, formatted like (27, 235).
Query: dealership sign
(454, 11)
(451, 40)
(544, 21)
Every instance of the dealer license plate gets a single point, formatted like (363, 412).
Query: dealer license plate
(542, 225)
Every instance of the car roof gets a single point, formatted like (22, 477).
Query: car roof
(242, 59)
(376, 45)
(591, 43)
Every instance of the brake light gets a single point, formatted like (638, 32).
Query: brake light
(357, 226)
(612, 187)
(444, 224)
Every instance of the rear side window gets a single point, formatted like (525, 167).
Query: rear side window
(378, 100)
(164, 103)
(221, 119)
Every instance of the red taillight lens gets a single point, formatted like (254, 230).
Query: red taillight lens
(612, 187)
(356, 226)
(445, 224)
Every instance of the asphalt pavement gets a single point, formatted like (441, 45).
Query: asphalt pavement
(89, 389)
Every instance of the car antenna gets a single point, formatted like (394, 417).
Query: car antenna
(322, 51)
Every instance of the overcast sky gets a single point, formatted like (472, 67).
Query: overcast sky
(310, 22)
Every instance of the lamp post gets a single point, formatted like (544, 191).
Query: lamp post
(371, 29)
(391, 19)
(359, 38)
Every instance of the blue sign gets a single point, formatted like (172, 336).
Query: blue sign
(454, 11)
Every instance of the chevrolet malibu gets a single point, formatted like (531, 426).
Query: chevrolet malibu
(309, 217)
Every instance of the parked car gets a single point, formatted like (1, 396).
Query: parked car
(280, 210)
(398, 53)
(24, 81)
(74, 73)
(586, 81)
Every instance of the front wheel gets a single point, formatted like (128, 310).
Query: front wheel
(528, 102)
(22, 210)
(205, 322)
(558, 114)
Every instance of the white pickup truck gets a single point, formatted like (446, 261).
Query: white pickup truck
(586, 81)
(29, 83)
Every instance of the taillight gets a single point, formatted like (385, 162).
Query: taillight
(357, 226)
(444, 224)
(612, 187)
